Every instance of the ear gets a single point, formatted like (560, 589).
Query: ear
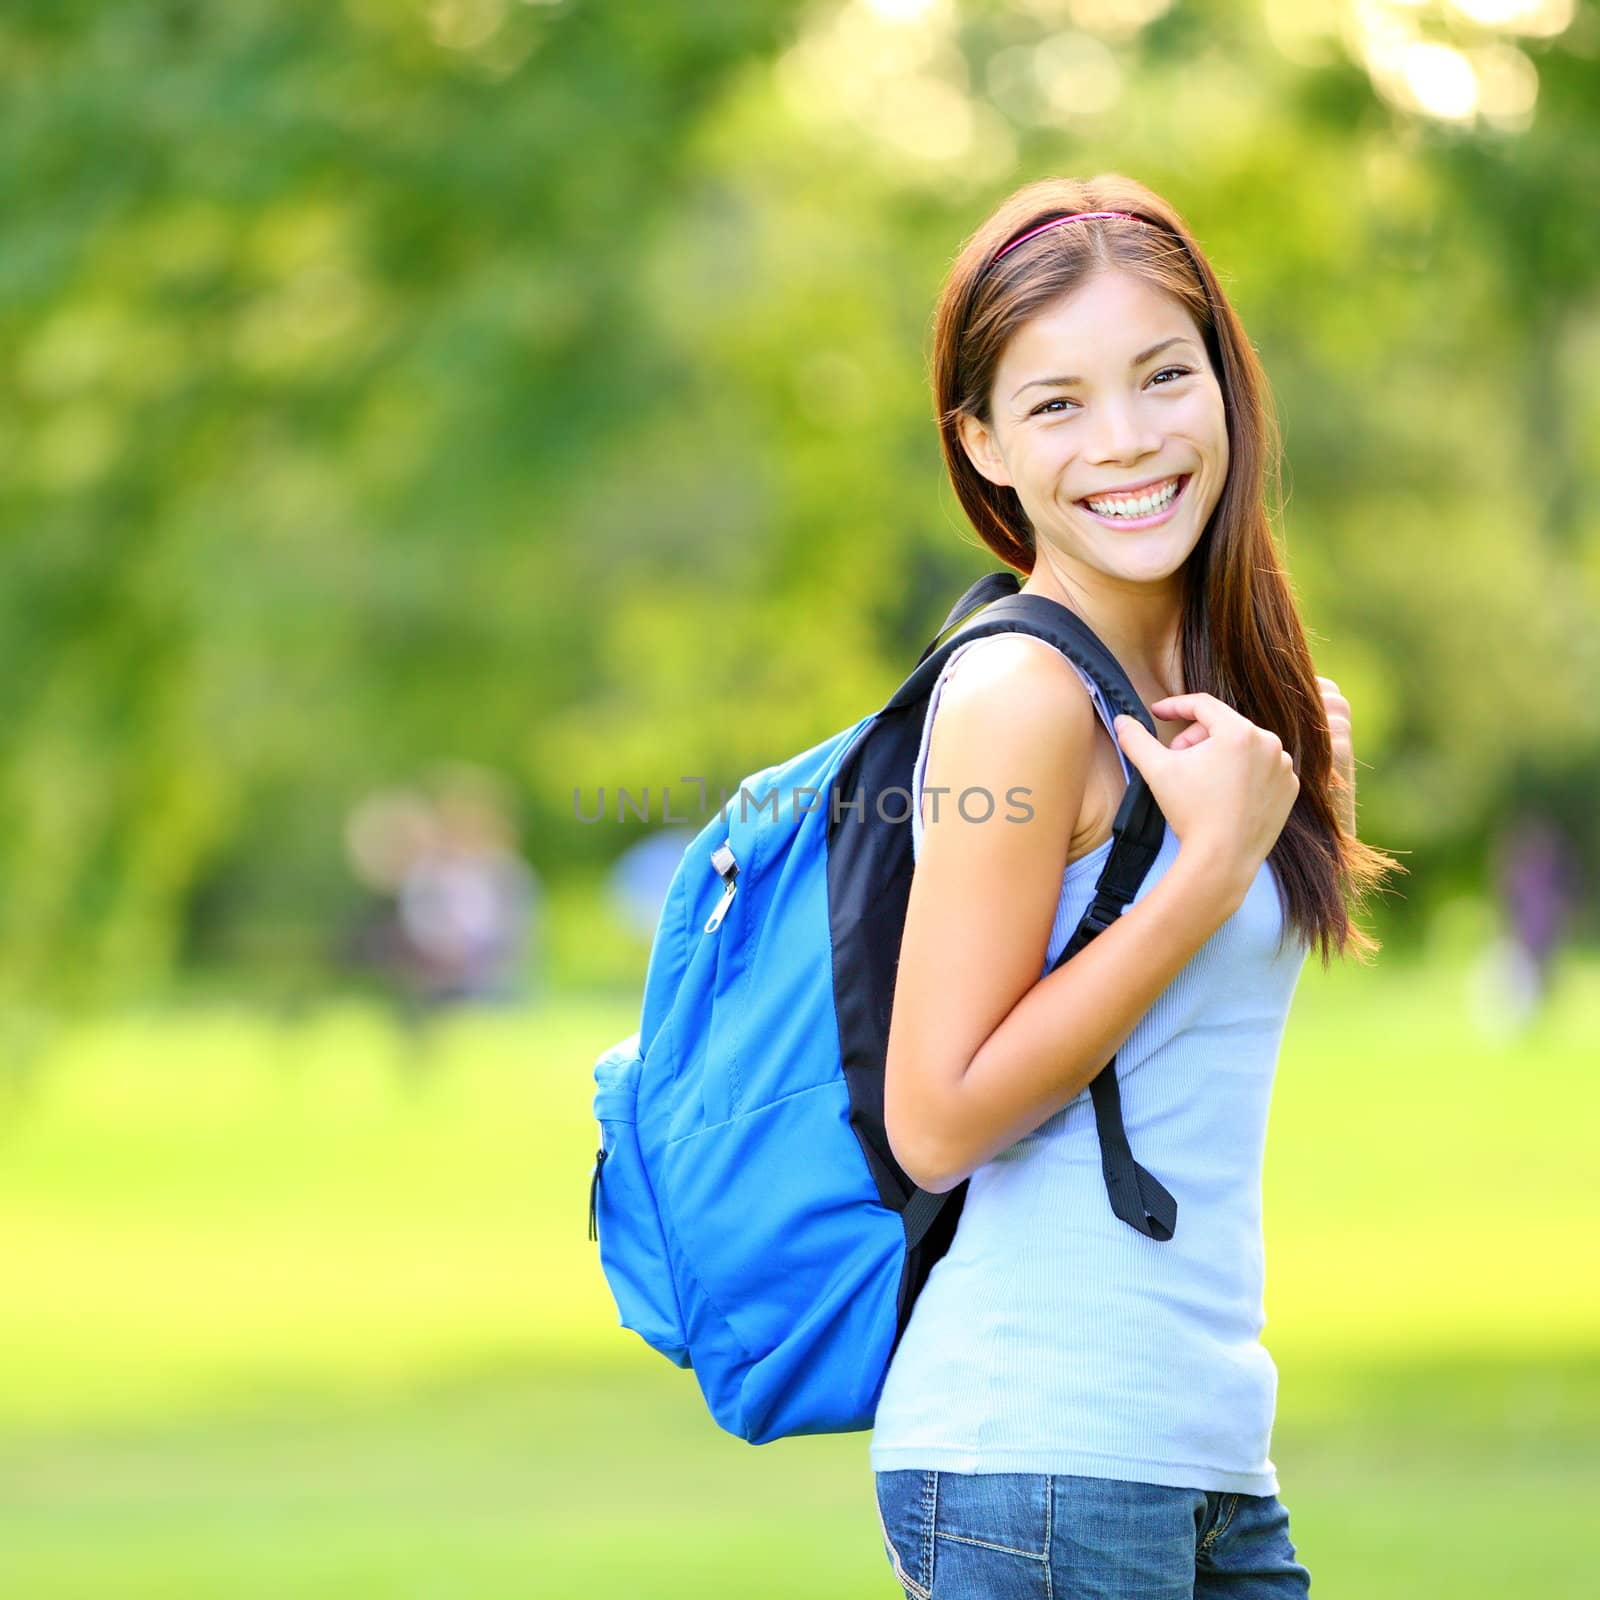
(978, 440)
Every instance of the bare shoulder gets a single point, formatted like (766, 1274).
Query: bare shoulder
(1017, 684)
(1015, 714)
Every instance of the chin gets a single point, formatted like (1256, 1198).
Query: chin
(1158, 570)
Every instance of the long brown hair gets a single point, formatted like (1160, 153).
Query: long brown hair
(1241, 635)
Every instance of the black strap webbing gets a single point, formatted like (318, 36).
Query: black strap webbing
(921, 1212)
(990, 587)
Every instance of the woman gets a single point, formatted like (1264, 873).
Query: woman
(1076, 1409)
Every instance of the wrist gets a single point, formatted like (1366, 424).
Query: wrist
(1212, 877)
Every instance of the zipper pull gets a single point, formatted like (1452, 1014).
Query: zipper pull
(728, 870)
(594, 1184)
(714, 921)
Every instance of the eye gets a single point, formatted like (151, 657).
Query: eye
(1044, 409)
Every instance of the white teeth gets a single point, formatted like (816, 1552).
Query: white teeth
(1144, 506)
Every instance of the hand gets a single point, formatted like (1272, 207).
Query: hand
(1225, 786)
(1337, 710)
(1344, 760)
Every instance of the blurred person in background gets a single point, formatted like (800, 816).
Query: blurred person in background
(461, 905)
(1534, 872)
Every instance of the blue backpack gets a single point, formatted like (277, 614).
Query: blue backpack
(753, 1223)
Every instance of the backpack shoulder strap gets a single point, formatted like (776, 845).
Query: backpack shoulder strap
(990, 587)
(1136, 1195)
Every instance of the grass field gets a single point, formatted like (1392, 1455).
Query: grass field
(291, 1311)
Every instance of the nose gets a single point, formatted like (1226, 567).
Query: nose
(1122, 433)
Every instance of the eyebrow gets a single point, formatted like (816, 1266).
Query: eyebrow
(1138, 361)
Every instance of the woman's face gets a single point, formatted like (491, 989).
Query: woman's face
(1108, 389)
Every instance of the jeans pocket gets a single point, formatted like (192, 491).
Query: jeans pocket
(991, 1535)
(633, 1246)
(1251, 1544)
(904, 1502)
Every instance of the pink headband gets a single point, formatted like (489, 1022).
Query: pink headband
(1057, 222)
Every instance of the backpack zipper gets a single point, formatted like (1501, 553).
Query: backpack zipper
(728, 870)
(594, 1185)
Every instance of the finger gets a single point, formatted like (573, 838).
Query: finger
(1137, 741)
(1205, 709)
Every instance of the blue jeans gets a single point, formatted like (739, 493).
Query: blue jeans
(1041, 1536)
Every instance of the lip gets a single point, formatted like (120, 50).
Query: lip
(1134, 488)
(1156, 518)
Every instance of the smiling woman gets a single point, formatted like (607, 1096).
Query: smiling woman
(1078, 1407)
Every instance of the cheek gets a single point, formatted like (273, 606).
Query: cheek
(1047, 453)
(1205, 423)
(1218, 435)
(1203, 410)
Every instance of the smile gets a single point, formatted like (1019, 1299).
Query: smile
(1146, 509)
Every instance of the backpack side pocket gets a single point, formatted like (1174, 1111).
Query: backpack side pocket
(623, 1211)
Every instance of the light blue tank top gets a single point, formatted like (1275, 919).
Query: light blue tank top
(1054, 1338)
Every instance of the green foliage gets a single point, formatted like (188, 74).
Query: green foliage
(312, 309)
(542, 385)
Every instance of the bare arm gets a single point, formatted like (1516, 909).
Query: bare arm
(981, 1049)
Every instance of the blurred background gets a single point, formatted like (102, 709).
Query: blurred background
(425, 418)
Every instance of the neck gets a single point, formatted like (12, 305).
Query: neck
(1139, 623)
